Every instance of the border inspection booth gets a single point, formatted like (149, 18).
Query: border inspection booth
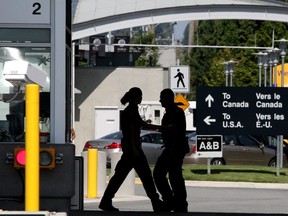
(37, 32)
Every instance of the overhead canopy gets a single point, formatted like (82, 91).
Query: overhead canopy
(95, 17)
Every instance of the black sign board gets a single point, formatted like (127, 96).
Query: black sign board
(242, 110)
(121, 40)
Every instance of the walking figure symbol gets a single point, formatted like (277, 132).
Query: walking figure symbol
(180, 77)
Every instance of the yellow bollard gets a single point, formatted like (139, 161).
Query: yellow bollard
(92, 173)
(32, 148)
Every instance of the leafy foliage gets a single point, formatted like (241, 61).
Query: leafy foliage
(150, 55)
(206, 63)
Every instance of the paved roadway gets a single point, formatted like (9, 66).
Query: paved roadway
(208, 198)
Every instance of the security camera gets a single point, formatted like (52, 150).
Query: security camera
(19, 73)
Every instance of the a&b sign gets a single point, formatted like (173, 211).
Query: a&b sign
(209, 146)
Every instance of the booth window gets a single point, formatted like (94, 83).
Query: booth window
(12, 98)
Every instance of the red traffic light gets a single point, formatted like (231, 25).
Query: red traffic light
(46, 157)
(20, 157)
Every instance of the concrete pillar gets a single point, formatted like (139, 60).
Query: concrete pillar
(101, 186)
(128, 186)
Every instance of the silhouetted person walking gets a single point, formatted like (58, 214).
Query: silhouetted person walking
(170, 161)
(133, 155)
(180, 78)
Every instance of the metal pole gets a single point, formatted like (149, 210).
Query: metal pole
(226, 71)
(281, 137)
(92, 173)
(282, 74)
(275, 62)
(265, 75)
(275, 75)
(73, 88)
(32, 147)
(281, 150)
(270, 73)
(231, 78)
(227, 74)
(265, 65)
(278, 157)
(259, 81)
(208, 166)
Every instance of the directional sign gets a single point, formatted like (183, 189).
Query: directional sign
(209, 146)
(242, 110)
(182, 100)
(179, 79)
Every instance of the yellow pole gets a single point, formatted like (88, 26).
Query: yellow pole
(32, 148)
(92, 173)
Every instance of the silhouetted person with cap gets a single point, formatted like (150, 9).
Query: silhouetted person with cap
(170, 161)
(133, 155)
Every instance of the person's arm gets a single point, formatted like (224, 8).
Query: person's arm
(146, 125)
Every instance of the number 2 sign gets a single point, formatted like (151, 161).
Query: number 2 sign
(25, 11)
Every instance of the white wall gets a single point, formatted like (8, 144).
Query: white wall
(105, 87)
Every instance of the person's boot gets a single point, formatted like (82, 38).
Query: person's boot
(181, 206)
(158, 206)
(169, 205)
(106, 205)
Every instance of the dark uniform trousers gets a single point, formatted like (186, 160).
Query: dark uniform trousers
(171, 162)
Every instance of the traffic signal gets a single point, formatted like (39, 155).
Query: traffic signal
(57, 185)
(47, 157)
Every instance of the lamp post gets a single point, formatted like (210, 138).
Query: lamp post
(260, 64)
(228, 70)
(231, 70)
(265, 65)
(270, 63)
(173, 33)
(282, 53)
(110, 40)
(275, 55)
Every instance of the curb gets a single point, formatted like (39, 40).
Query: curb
(252, 185)
(237, 185)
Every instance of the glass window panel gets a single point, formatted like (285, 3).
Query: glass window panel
(12, 100)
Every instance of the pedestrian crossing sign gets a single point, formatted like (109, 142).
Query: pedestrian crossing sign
(179, 77)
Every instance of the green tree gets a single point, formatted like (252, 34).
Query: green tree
(149, 55)
(206, 64)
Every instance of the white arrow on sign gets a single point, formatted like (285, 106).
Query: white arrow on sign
(210, 99)
(208, 121)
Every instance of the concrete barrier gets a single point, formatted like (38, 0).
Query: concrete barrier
(101, 175)
(128, 186)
